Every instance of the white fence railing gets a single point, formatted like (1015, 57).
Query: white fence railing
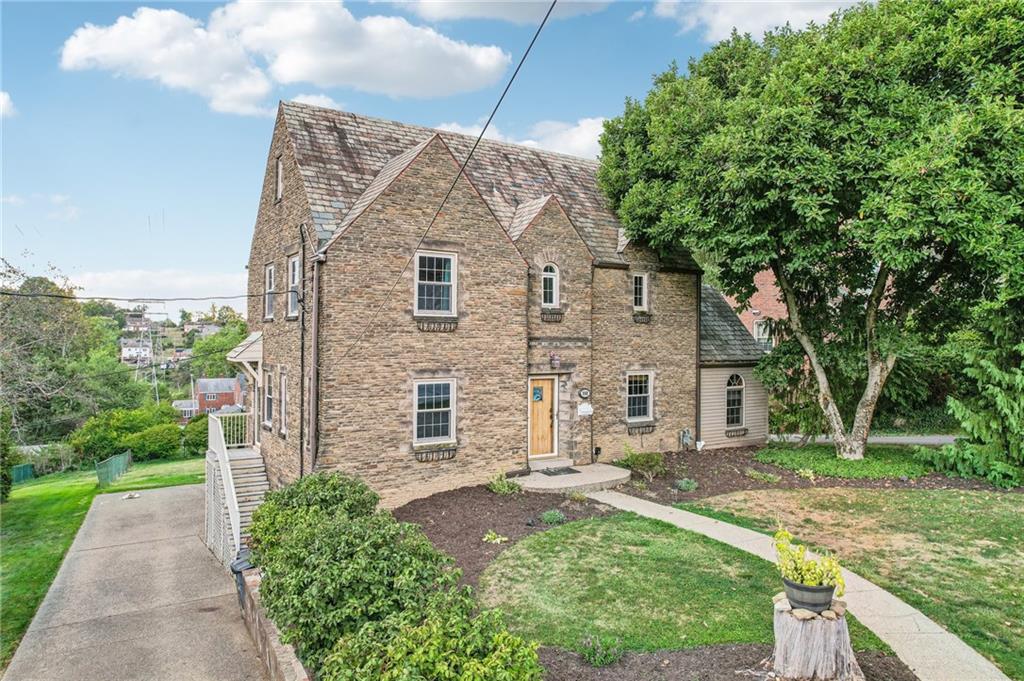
(219, 445)
(235, 428)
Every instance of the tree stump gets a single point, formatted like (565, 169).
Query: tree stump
(813, 647)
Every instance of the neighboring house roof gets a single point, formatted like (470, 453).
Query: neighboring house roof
(723, 338)
(181, 405)
(136, 343)
(216, 385)
(341, 156)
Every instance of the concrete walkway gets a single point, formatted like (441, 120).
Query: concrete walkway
(930, 651)
(139, 596)
(924, 440)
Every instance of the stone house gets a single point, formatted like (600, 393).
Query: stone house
(522, 327)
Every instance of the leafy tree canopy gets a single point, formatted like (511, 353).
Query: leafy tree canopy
(874, 164)
(210, 353)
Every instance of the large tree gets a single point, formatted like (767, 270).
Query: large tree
(875, 164)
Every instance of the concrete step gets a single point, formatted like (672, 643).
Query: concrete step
(249, 479)
(554, 462)
(589, 478)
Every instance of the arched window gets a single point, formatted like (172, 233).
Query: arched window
(549, 287)
(734, 402)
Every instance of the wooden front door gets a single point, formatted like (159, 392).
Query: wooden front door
(542, 416)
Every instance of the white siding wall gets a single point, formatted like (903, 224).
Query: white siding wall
(712, 408)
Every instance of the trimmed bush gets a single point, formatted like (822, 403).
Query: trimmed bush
(444, 641)
(326, 574)
(504, 486)
(552, 517)
(195, 439)
(650, 465)
(105, 434)
(156, 442)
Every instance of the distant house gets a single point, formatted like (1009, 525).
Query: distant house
(180, 354)
(213, 394)
(766, 304)
(733, 403)
(136, 322)
(202, 329)
(136, 350)
(186, 408)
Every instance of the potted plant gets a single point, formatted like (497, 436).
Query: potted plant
(809, 584)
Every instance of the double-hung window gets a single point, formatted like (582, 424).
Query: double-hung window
(549, 287)
(640, 292)
(294, 283)
(436, 284)
(210, 397)
(283, 404)
(268, 398)
(268, 292)
(734, 402)
(762, 335)
(638, 397)
(435, 411)
(278, 179)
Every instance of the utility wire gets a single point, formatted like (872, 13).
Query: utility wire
(63, 296)
(455, 180)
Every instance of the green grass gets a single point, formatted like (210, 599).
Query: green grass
(954, 555)
(647, 583)
(880, 461)
(38, 524)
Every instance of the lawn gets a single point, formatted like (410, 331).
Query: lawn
(880, 461)
(649, 584)
(38, 524)
(954, 555)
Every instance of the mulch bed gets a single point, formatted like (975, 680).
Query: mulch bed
(456, 521)
(720, 471)
(709, 663)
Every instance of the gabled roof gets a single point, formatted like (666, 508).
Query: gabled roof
(723, 338)
(340, 155)
(525, 214)
(216, 385)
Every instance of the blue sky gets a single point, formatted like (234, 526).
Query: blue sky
(134, 136)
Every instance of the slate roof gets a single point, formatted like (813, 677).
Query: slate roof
(340, 154)
(723, 338)
(216, 385)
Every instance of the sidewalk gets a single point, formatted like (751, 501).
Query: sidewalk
(930, 651)
(139, 596)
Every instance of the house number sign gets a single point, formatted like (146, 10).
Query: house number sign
(538, 394)
(584, 393)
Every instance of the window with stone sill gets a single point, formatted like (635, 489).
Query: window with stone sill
(436, 284)
(434, 407)
(640, 293)
(638, 397)
(550, 294)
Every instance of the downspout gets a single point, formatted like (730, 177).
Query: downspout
(314, 379)
(700, 292)
(302, 352)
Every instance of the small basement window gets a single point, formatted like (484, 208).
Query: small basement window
(549, 287)
(734, 402)
(435, 411)
(638, 397)
(436, 284)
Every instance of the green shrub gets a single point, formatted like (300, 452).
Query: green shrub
(552, 517)
(880, 461)
(325, 575)
(577, 497)
(648, 464)
(105, 434)
(195, 439)
(331, 493)
(686, 485)
(761, 476)
(492, 537)
(504, 486)
(599, 652)
(156, 442)
(444, 641)
(7, 455)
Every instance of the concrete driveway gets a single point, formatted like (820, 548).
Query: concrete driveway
(139, 596)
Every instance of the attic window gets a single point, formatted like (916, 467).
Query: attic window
(278, 179)
(436, 283)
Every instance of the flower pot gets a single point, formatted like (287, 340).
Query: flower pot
(813, 598)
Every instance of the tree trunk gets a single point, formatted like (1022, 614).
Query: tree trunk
(814, 648)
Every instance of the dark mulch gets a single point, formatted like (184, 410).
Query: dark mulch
(456, 521)
(710, 663)
(720, 471)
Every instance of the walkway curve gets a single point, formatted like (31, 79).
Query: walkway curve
(930, 651)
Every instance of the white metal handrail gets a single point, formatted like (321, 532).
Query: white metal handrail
(219, 446)
(235, 427)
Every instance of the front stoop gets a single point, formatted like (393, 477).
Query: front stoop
(591, 478)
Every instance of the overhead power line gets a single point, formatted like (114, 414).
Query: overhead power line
(113, 299)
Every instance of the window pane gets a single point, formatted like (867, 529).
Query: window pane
(638, 398)
(638, 290)
(734, 407)
(433, 411)
(549, 289)
(434, 297)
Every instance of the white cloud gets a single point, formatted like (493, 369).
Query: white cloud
(318, 100)
(6, 105)
(578, 139)
(234, 59)
(63, 209)
(12, 200)
(166, 283)
(517, 12)
(637, 15)
(717, 19)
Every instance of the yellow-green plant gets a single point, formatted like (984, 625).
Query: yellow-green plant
(797, 567)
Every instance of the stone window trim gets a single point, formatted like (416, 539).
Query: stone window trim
(269, 281)
(453, 285)
(640, 290)
(443, 442)
(278, 179)
(294, 292)
(735, 404)
(648, 418)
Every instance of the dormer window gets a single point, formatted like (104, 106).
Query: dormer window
(640, 293)
(278, 179)
(436, 284)
(549, 287)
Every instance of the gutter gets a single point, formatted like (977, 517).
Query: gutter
(302, 355)
(314, 378)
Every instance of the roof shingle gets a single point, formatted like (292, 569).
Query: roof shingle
(723, 338)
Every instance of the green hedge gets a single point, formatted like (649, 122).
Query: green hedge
(162, 441)
(106, 433)
(195, 440)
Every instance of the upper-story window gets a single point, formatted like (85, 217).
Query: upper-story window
(435, 411)
(210, 397)
(268, 398)
(640, 292)
(549, 287)
(294, 281)
(638, 397)
(278, 179)
(734, 402)
(268, 292)
(436, 283)
(762, 335)
(283, 418)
